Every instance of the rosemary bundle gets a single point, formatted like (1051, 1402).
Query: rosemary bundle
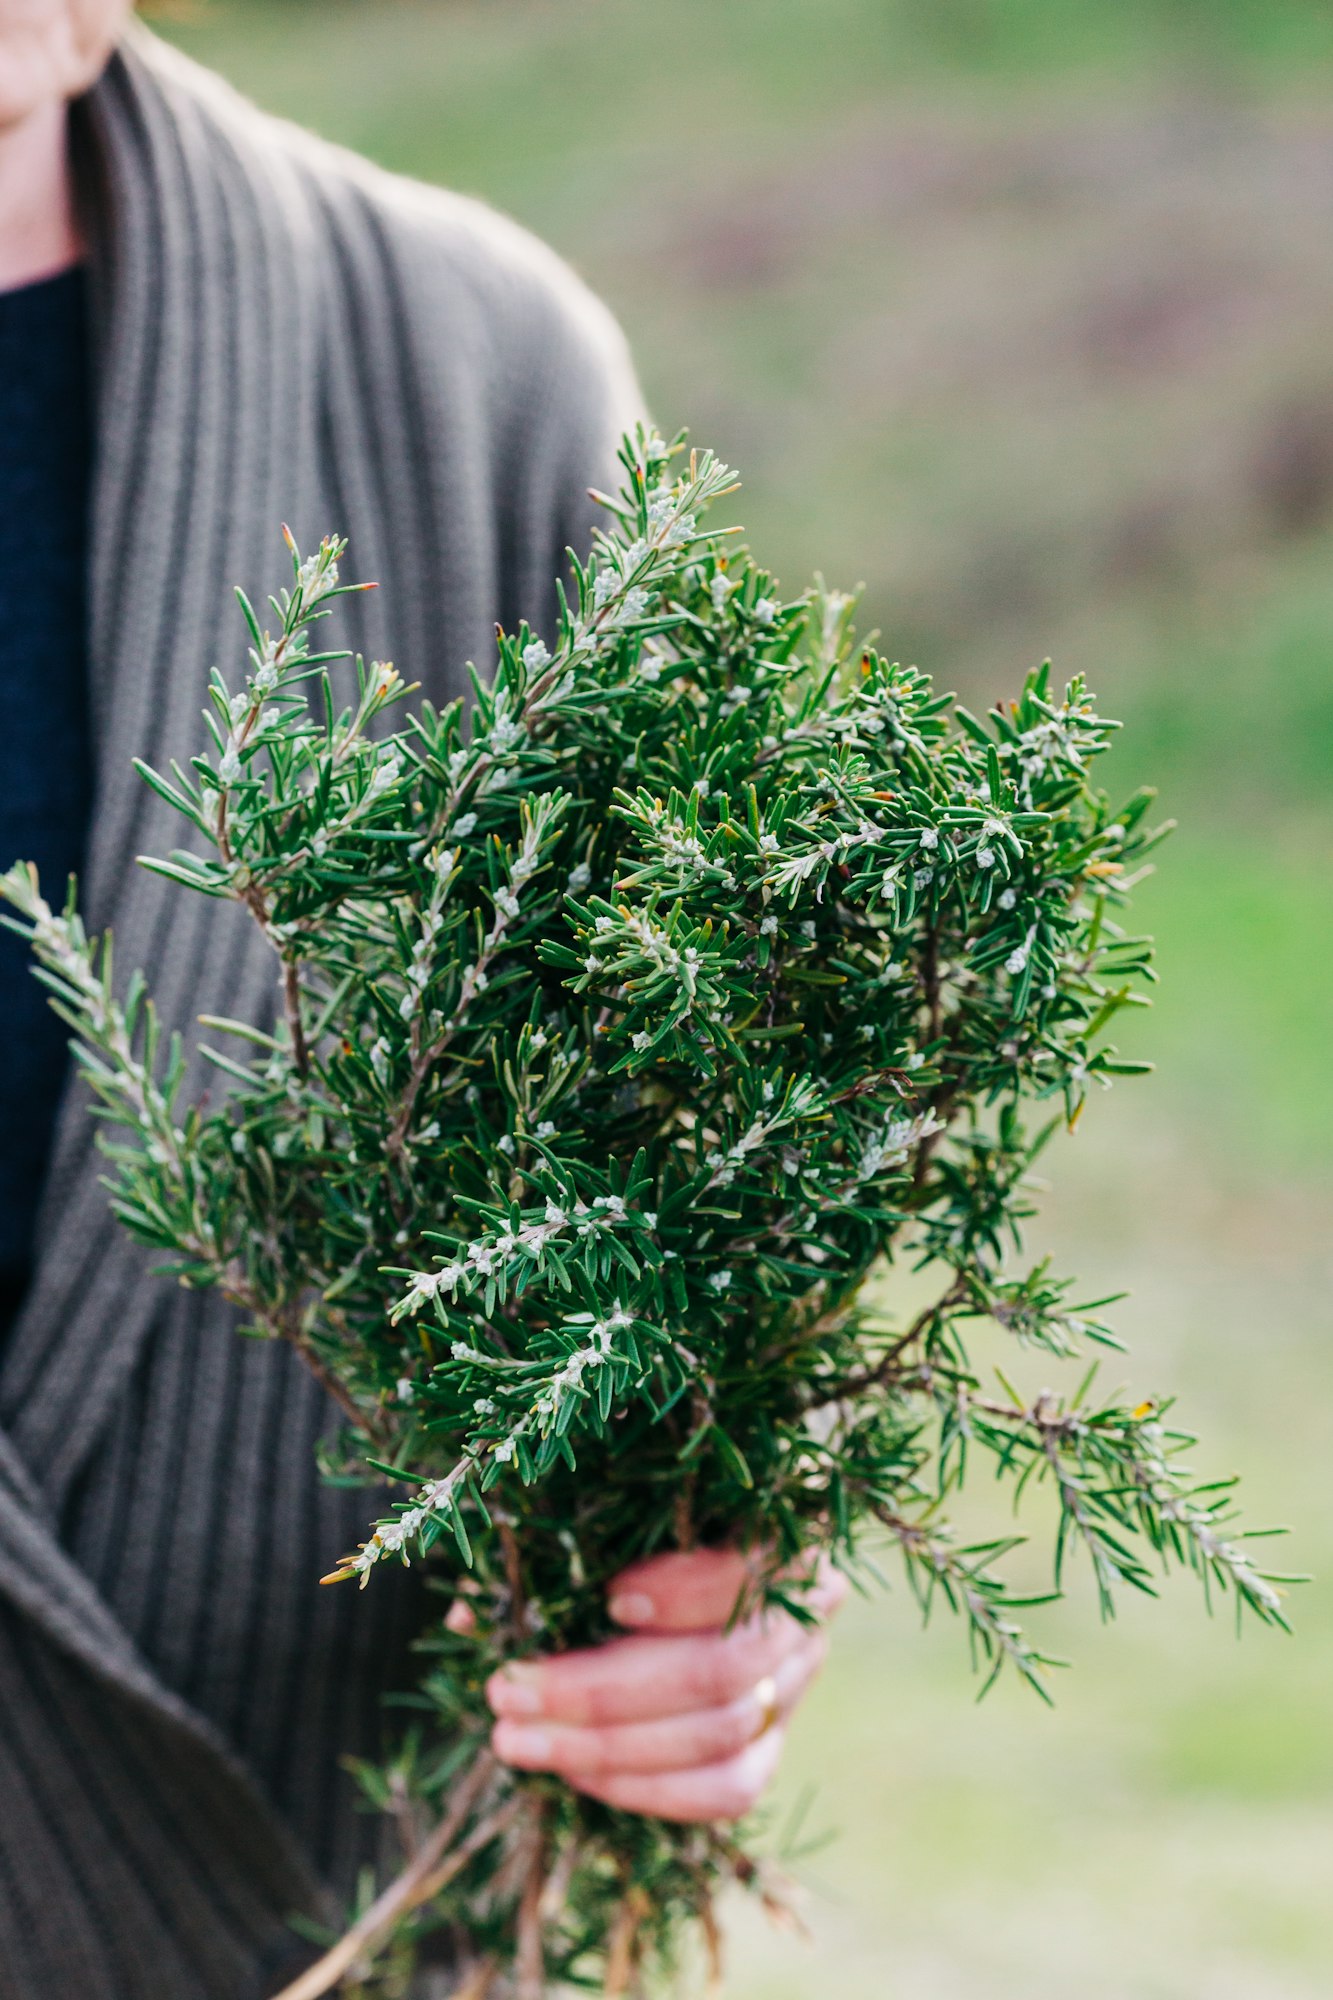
(708, 964)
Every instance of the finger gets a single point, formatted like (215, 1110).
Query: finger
(726, 1790)
(639, 1678)
(698, 1590)
(691, 1590)
(674, 1743)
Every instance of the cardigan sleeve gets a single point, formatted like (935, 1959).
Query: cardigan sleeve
(609, 403)
(554, 387)
(570, 395)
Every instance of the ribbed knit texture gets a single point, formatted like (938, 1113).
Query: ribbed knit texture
(281, 332)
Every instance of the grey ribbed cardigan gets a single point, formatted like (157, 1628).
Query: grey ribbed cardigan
(281, 332)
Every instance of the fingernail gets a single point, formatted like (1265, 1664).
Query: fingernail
(516, 1689)
(631, 1607)
(516, 1744)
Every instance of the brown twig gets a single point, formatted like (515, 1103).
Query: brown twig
(406, 1814)
(513, 1562)
(395, 1143)
(291, 1000)
(683, 1524)
(285, 1324)
(949, 1567)
(363, 1420)
(556, 1890)
(487, 1830)
(425, 1059)
(882, 1372)
(431, 1868)
(621, 1952)
(821, 1321)
(774, 1889)
(477, 1981)
(682, 1513)
(529, 1956)
(712, 1935)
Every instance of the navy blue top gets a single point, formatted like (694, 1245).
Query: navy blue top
(45, 747)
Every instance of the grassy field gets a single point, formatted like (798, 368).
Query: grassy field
(1019, 313)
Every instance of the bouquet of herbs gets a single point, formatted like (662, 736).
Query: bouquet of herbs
(708, 964)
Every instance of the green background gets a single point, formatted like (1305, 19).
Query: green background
(1019, 311)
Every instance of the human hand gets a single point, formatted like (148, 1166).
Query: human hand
(680, 1719)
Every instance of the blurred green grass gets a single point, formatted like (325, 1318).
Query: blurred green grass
(1017, 310)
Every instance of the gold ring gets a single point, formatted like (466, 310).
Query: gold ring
(766, 1694)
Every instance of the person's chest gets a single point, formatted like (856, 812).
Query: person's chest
(45, 756)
